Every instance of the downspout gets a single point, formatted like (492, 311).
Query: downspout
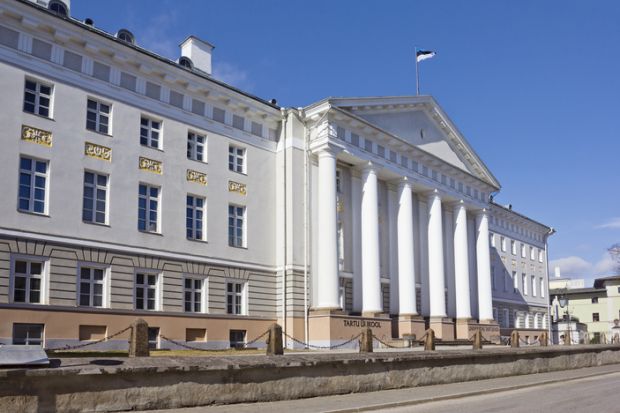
(285, 261)
(547, 235)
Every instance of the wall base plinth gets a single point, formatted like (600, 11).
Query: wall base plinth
(443, 328)
(411, 325)
(333, 328)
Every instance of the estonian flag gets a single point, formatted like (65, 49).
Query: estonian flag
(424, 54)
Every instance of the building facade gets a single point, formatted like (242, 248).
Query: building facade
(136, 186)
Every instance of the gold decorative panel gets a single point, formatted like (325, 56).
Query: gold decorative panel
(195, 176)
(150, 165)
(37, 136)
(97, 151)
(237, 187)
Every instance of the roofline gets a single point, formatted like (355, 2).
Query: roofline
(574, 291)
(139, 49)
(550, 230)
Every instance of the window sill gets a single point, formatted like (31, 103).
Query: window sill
(37, 214)
(151, 232)
(97, 224)
(196, 160)
(39, 116)
(200, 241)
(241, 248)
(152, 147)
(99, 133)
(238, 173)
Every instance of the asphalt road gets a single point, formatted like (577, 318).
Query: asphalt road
(593, 390)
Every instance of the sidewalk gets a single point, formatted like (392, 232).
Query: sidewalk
(358, 402)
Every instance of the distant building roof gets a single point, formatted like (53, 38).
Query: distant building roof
(600, 282)
(571, 291)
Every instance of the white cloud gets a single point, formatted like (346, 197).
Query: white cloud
(231, 74)
(572, 266)
(606, 266)
(613, 223)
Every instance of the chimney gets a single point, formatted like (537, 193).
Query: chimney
(199, 52)
(557, 272)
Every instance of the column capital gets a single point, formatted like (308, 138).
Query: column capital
(367, 166)
(433, 194)
(325, 147)
(482, 213)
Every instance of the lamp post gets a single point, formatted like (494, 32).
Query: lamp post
(564, 303)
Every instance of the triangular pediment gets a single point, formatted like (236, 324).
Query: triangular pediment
(420, 121)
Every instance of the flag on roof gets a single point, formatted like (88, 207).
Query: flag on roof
(423, 55)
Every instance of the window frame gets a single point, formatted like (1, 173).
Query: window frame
(503, 242)
(105, 284)
(193, 144)
(144, 286)
(533, 277)
(233, 241)
(99, 116)
(38, 94)
(234, 157)
(204, 294)
(513, 247)
(149, 132)
(243, 304)
(148, 198)
(96, 188)
(43, 279)
(203, 221)
(596, 317)
(27, 343)
(32, 185)
(524, 283)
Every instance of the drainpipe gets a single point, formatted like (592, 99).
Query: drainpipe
(547, 235)
(285, 262)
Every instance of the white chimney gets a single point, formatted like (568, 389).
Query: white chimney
(557, 272)
(199, 52)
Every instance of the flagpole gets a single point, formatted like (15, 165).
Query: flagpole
(417, 73)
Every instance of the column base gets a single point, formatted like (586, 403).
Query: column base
(463, 327)
(411, 325)
(443, 328)
(333, 327)
(327, 311)
(488, 328)
(374, 314)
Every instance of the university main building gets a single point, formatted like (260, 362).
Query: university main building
(134, 186)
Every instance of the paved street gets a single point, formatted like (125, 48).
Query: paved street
(594, 389)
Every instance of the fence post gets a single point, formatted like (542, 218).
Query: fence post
(514, 339)
(366, 341)
(477, 345)
(429, 341)
(274, 340)
(543, 339)
(566, 339)
(139, 339)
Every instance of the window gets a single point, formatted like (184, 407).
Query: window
(540, 255)
(193, 294)
(236, 159)
(58, 7)
(195, 146)
(91, 287)
(532, 254)
(148, 206)
(503, 242)
(533, 286)
(594, 300)
(237, 338)
(146, 291)
(542, 287)
(522, 250)
(236, 218)
(126, 36)
(97, 116)
(257, 129)
(186, 62)
(507, 280)
(28, 281)
(32, 185)
(153, 333)
(95, 198)
(340, 246)
(235, 298)
(37, 98)
(595, 317)
(513, 247)
(238, 122)
(492, 239)
(338, 181)
(219, 115)
(493, 285)
(150, 132)
(524, 283)
(194, 217)
(28, 334)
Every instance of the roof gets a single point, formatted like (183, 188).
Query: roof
(574, 291)
(600, 282)
(512, 211)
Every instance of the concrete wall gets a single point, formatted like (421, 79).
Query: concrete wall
(193, 382)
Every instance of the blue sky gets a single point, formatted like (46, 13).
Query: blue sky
(534, 86)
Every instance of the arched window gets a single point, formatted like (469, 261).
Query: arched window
(186, 62)
(58, 7)
(126, 36)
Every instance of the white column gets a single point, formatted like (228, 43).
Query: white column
(356, 239)
(406, 271)
(371, 279)
(483, 259)
(461, 262)
(436, 282)
(327, 232)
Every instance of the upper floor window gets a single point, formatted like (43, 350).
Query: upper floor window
(522, 250)
(492, 240)
(146, 290)
(194, 219)
(524, 284)
(95, 198)
(150, 132)
(595, 317)
(594, 300)
(515, 280)
(338, 181)
(532, 254)
(236, 159)
(27, 281)
(58, 7)
(236, 225)
(196, 146)
(493, 285)
(533, 286)
(97, 116)
(32, 185)
(148, 208)
(37, 98)
(503, 242)
(91, 287)
(513, 247)
(542, 287)
(126, 36)
(540, 255)
(235, 298)
(193, 293)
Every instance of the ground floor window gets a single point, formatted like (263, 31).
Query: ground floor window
(237, 338)
(28, 334)
(153, 338)
(235, 298)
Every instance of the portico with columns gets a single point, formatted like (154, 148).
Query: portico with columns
(398, 226)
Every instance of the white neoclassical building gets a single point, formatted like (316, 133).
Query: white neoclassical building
(139, 186)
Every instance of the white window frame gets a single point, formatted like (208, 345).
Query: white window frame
(338, 181)
(524, 283)
(237, 162)
(38, 95)
(193, 145)
(33, 175)
(42, 343)
(99, 116)
(542, 287)
(532, 254)
(149, 130)
(233, 242)
(513, 247)
(148, 198)
(503, 242)
(204, 293)
(145, 287)
(492, 239)
(105, 294)
(96, 188)
(522, 250)
(533, 277)
(540, 255)
(203, 220)
(44, 279)
(515, 281)
(243, 305)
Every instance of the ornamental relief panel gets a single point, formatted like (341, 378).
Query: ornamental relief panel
(197, 177)
(93, 150)
(38, 136)
(150, 165)
(237, 187)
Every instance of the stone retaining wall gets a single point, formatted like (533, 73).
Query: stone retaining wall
(155, 383)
